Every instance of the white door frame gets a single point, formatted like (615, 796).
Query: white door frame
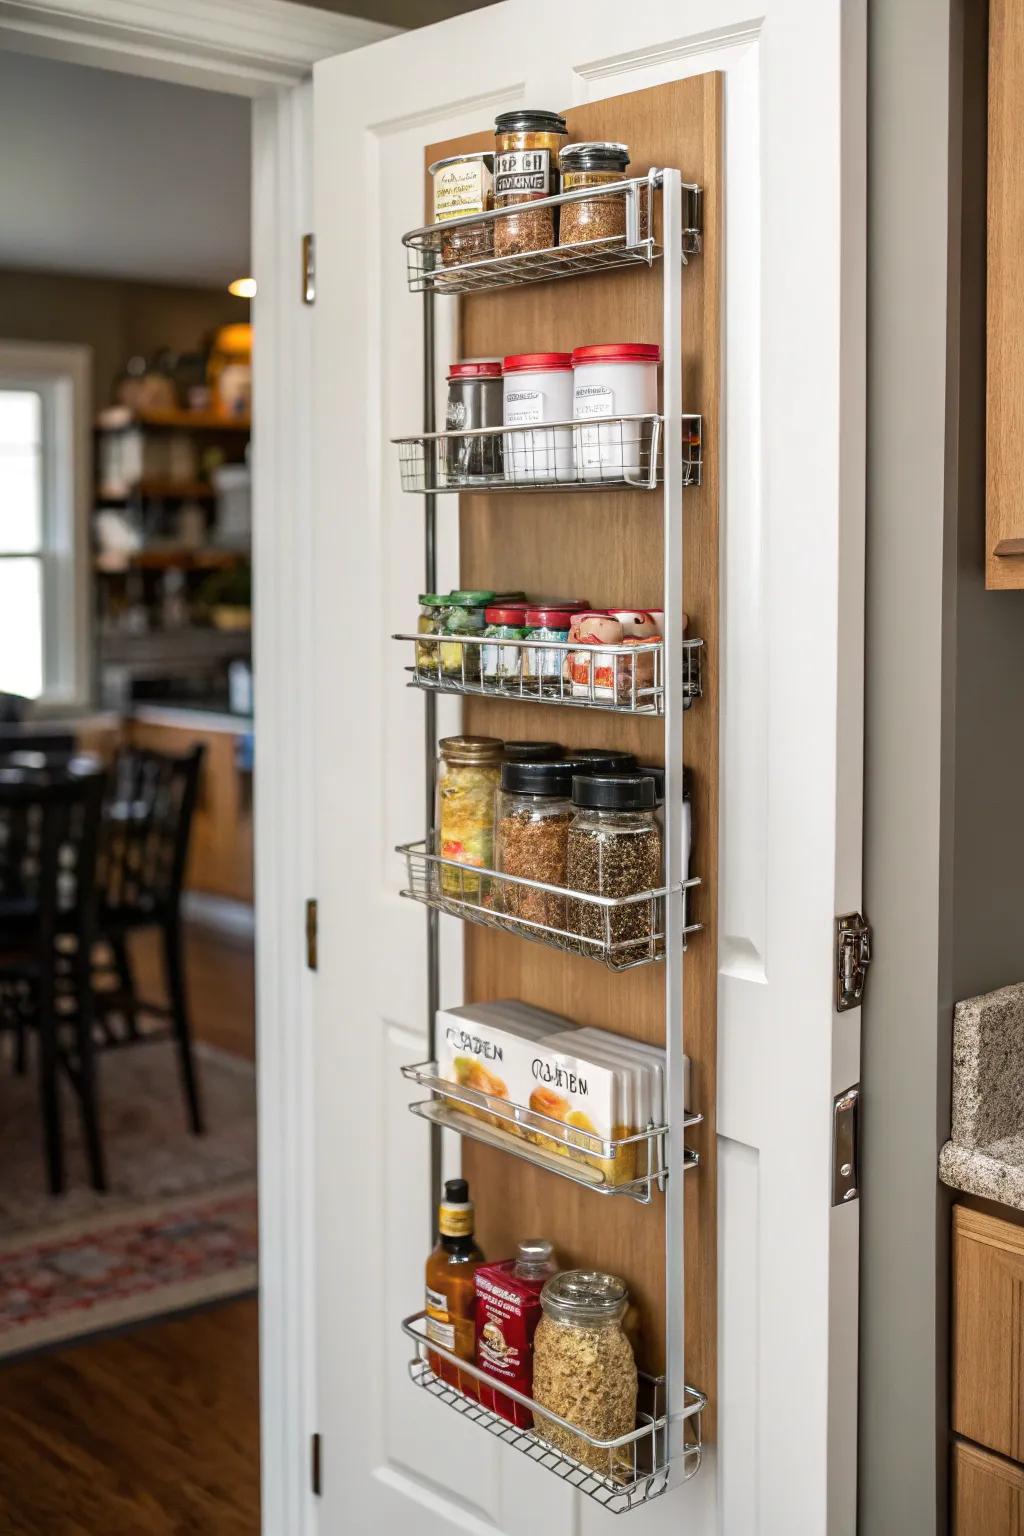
(263, 49)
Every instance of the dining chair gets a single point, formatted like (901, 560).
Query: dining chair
(147, 820)
(49, 826)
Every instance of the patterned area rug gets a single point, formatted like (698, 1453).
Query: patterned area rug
(178, 1226)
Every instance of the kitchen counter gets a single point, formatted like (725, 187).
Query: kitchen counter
(985, 1152)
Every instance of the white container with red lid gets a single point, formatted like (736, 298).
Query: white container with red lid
(537, 387)
(615, 379)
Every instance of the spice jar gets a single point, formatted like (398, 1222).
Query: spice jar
(474, 400)
(615, 379)
(500, 664)
(538, 387)
(614, 849)
(532, 815)
(464, 185)
(592, 672)
(531, 751)
(526, 149)
(601, 760)
(467, 777)
(584, 1370)
(432, 605)
(597, 218)
(463, 615)
(544, 667)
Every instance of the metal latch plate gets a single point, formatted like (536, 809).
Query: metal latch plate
(846, 1146)
(853, 956)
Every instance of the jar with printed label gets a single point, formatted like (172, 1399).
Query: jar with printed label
(593, 219)
(500, 664)
(474, 401)
(537, 387)
(615, 379)
(593, 672)
(464, 185)
(526, 149)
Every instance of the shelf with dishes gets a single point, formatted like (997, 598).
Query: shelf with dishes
(602, 220)
(564, 454)
(620, 1472)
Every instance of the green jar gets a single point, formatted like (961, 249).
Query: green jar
(463, 615)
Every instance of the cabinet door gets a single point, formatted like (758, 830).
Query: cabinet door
(988, 1331)
(1004, 565)
(988, 1494)
(790, 451)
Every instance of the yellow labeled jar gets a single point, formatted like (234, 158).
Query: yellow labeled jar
(526, 149)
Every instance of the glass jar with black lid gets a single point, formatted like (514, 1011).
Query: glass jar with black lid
(526, 150)
(533, 810)
(614, 849)
(593, 218)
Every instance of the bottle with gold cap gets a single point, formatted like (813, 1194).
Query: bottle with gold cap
(451, 1293)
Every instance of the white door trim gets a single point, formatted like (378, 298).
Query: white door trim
(261, 49)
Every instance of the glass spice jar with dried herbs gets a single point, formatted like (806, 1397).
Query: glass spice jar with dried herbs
(533, 810)
(584, 1370)
(526, 149)
(614, 849)
(592, 219)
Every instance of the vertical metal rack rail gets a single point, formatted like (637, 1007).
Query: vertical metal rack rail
(674, 1434)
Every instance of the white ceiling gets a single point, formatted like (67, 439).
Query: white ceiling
(111, 175)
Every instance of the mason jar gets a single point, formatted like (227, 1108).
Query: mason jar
(468, 772)
(584, 1370)
(593, 218)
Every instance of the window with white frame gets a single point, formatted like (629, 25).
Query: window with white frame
(44, 530)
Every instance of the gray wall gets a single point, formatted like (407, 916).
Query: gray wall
(944, 840)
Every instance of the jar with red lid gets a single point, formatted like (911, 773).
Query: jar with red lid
(592, 671)
(616, 379)
(543, 667)
(474, 401)
(500, 661)
(538, 388)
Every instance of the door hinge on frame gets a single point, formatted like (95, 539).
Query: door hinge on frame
(314, 1464)
(846, 1146)
(309, 269)
(311, 933)
(853, 956)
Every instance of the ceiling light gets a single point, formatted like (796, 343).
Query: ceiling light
(243, 287)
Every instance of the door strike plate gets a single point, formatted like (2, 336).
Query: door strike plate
(846, 1146)
(853, 956)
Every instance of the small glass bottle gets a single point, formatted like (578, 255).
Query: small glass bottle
(450, 1292)
(500, 664)
(526, 149)
(432, 605)
(467, 778)
(584, 1370)
(463, 615)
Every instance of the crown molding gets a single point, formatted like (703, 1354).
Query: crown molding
(247, 47)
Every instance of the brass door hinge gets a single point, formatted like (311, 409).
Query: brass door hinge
(311, 933)
(846, 1146)
(853, 956)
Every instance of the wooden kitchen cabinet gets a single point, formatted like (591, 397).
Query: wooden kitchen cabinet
(1004, 533)
(220, 858)
(987, 1493)
(988, 1331)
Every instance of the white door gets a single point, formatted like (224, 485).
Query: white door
(792, 603)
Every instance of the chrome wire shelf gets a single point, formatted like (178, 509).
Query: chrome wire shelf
(619, 1474)
(598, 453)
(457, 255)
(623, 931)
(627, 1165)
(624, 679)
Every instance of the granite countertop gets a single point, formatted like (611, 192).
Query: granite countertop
(985, 1152)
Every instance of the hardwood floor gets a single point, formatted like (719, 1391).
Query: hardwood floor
(154, 1432)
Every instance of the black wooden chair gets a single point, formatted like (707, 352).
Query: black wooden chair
(147, 820)
(49, 826)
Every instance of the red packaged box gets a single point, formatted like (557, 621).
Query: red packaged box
(508, 1310)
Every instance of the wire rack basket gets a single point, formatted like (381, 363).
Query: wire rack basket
(458, 255)
(620, 1474)
(626, 679)
(623, 931)
(606, 453)
(627, 1165)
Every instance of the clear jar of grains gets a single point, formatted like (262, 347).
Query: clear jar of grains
(532, 815)
(526, 148)
(614, 849)
(584, 1370)
(597, 218)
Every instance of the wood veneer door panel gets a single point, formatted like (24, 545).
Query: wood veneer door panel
(988, 1331)
(607, 547)
(1005, 340)
(988, 1493)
